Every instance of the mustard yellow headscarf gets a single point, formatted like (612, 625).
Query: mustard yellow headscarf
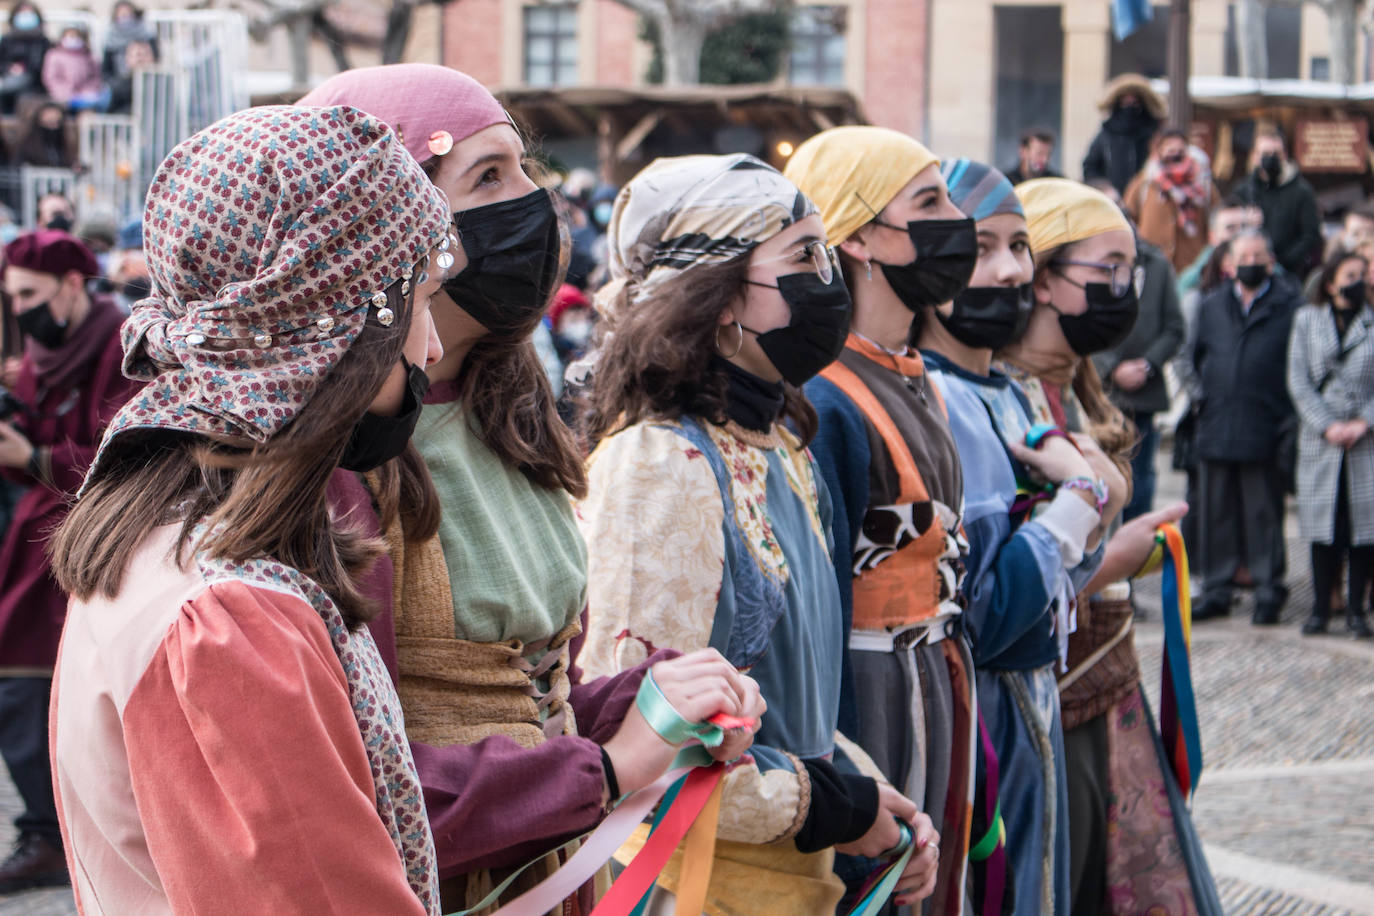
(1060, 211)
(851, 173)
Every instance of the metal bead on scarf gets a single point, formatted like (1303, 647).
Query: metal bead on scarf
(195, 340)
(262, 341)
(444, 259)
(325, 324)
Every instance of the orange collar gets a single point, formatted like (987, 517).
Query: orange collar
(909, 364)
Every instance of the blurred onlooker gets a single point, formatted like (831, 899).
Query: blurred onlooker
(22, 49)
(70, 384)
(1133, 371)
(1033, 156)
(590, 240)
(1171, 199)
(72, 76)
(1228, 220)
(138, 55)
(1357, 229)
(126, 27)
(46, 140)
(99, 233)
(1238, 347)
(1291, 218)
(1134, 112)
(571, 318)
(1331, 380)
(55, 212)
(130, 277)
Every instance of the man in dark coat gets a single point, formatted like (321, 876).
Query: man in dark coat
(1133, 371)
(1291, 216)
(1033, 156)
(70, 385)
(1238, 351)
(1134, 113)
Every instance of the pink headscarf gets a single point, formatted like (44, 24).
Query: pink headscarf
(421, 102)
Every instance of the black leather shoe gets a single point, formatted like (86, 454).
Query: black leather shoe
(34, 863)
(1266, 614)
(1212, 609)
(1357, 626)
(1314, 625)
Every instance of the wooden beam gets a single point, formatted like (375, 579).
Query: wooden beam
(636, 135)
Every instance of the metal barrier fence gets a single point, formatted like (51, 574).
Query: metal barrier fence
(203, 55)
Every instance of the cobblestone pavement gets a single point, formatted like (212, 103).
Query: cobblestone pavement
(1286, 802)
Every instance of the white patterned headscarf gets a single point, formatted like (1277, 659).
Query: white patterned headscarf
(689, 210)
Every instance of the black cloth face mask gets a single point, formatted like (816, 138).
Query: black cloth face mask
(39, 325)
(1354, 294)
(377, 439)
(815, 335)
(515, 262)
(1106, 322)
(989, 317)
(750, 401)
(1252, 276)
(946, 254)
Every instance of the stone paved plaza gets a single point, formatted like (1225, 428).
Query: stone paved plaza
(1286, 803)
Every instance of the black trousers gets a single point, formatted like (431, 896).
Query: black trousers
(1327, 559)
(1241, 522)
(24, 745)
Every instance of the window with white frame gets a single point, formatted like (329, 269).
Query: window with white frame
(551, 44)
(817, 57)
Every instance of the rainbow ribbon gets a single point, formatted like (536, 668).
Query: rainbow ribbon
(1178, 722)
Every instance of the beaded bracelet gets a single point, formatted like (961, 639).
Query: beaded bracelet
(1097, 488)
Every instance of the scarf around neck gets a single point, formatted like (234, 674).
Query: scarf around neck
(72, 363)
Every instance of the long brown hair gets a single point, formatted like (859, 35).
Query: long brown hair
(267, 500)
(655, 357)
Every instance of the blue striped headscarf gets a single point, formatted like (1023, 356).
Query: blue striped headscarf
(979, 190)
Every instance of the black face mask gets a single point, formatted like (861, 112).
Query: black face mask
(514, 250)
(946, 253)
(1272, 167)
(377, 439)
(1106, 322)
(1252, 276)
(41, 327)
(1353, 294)
(750, 401)
(989, 317)
(61, 222)
(134, 290)
(815, 336)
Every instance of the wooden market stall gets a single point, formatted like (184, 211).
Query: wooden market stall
(625, 129)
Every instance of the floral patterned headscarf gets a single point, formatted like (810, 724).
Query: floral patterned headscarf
(272, 237)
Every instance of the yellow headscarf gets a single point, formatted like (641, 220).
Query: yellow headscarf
(851, 173)
(1060, 211)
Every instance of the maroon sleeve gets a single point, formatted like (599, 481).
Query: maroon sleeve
(69, 459)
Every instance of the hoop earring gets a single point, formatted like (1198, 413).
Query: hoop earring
(868, 268)
(739, 346)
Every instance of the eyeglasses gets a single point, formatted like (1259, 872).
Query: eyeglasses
(822, 259)
(1122, 277)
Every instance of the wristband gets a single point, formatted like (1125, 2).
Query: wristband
(1096, 487)
(612, 784)
(1036, 436)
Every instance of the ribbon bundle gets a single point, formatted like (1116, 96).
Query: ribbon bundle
(690, 794)
(1178, 724)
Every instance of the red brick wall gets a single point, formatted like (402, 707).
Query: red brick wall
(472, 39)
(617, 30)
(894, 69)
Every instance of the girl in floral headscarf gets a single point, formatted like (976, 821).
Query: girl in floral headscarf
(225, 735)
(707, 522)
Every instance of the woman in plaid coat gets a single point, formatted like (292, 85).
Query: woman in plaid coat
(1331, 380)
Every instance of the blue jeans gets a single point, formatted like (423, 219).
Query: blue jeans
(1142, 466)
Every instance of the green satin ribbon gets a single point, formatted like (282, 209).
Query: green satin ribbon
(668, 722)
(988, 844)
